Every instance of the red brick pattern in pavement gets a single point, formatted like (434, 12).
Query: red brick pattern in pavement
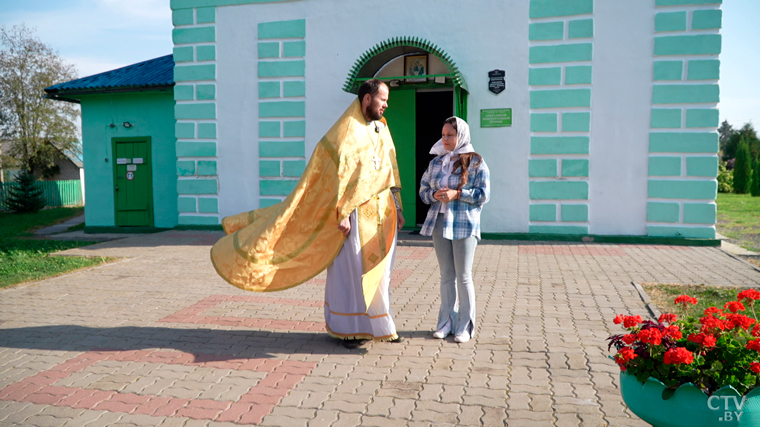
(595, 250)
(281, 377)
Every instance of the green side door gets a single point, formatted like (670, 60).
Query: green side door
(402, 125)
(133, 183)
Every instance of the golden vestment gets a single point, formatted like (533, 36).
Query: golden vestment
(286, 244)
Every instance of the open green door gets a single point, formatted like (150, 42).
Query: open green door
(401, 123)
(133, 190)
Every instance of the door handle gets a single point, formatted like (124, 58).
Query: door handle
(117, 188)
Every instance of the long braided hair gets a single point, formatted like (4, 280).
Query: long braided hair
(463, 162)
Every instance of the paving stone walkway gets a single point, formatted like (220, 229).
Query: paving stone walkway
(156, 338)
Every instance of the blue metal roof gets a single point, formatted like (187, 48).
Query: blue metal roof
(146, 74)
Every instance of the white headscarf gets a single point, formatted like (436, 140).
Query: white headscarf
(463, 144)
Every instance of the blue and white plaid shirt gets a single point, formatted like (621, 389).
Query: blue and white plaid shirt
(462, 217)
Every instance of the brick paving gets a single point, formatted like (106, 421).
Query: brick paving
(156, 338)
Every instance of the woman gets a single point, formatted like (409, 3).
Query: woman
(455, 185)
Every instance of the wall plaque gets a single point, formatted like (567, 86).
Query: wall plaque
(496, 82)
(496, 118)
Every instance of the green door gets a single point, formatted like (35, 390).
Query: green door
(401, 123)
(133, 184)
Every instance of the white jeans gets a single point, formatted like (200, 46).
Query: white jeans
(457, 290)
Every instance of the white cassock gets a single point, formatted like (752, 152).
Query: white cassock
(345, 312)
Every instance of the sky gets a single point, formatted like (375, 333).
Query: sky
(101, 35)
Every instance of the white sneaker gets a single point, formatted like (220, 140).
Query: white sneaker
(463, 337)
(444, 331)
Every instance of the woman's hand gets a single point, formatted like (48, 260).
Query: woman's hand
(345, 226)
(400, 219)
(446, 195)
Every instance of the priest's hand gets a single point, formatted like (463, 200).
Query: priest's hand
(345, 226)
(401, 220)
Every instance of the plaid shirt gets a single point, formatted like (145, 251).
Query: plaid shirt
(462, 217)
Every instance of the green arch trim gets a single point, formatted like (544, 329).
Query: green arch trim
(373, 59)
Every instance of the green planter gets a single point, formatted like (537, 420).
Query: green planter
(690, 406)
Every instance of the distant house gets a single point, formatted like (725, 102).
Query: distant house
(128, 144)
(69, 166)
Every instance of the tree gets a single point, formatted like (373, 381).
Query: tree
(725, 131)
(29, 121)
(742, 168)
(732, 144)
(754, 187)
(25, 195)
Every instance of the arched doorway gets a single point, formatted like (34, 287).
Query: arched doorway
(417, 106)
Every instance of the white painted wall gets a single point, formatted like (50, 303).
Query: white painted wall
(621, 101)
(480, 37)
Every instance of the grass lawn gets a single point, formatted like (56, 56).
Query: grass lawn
(662, 295)
(739, 219)
(25, 259)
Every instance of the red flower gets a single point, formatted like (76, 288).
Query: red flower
(749, 294)
(624, 355)
(755, 367)
(754, 345)
(667, 317)
(705, 340)
(650, 336)
(739, 321)
(678, 355)
(629, 339)
(618, 319)
(631, 321)
(756, 330)
(710, 324)
(685, 299)
(712, 311)
(674, 332)
(734, 306)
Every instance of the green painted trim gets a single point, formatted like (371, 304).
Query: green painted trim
(670, 21)
(594, 238)
(293, 168)
(196, 186)
(207, 168)
(184, 130)
(282, 68)
(207, 130)
(276, 187)
(545, 76)
(706, 167)
(682, 189)
(294, 29)
(581, 230)
(576, 122)
(205, 15)
(294, 128)
(700, 213)
(702, 118)
(186, 4)
(558, 190)
(706, 19)
(676, 231)
(668, 70)
(205, 92)
(199, 227)
(580, 29)
(574, 213)
(195, 111)
(267, 202)
(685, 2)
(182, 17)
(663, 212)
(208, 205)
(194, 72)
(197, 220)
(561, 53)
(560, 98)
(546, 31)
(685, 94)
(269, 50)
(122, 230)
(205, 53)
(269, 168)
(665, 118)
(269, 90)
(559, 145)
(352, 82)
(269, 109)
(194, 35)
(187, 204)
(542, 168)
(552, 8)
(543, 122)
(282, 149)
(294, 88)
(182, 54)
(578, 75)
(574, 168)
(195, 149)
(269, 129)
(664, 166)
(294, 49)
(185, 167)
(544, 212)
(704, 69)
(184, 92)
(700, 44)
(677, 142)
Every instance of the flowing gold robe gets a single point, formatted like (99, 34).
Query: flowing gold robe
(286, 244)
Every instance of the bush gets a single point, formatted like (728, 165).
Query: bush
(25, 196)
(754, 186)
(725, 179)
(742, 168)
